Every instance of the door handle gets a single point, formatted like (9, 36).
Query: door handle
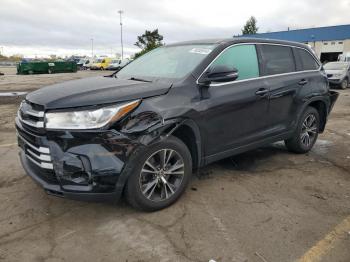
(262, 91)
(303, 82)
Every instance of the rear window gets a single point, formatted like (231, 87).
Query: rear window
(306, 60)
(277, 59)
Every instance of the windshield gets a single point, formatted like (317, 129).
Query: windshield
(167, 62)
(99, 60)
(336, 66)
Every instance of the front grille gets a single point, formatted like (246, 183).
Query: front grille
(30, 133)
(38, 155)
(32, 117)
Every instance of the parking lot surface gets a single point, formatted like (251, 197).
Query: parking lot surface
(264, 205)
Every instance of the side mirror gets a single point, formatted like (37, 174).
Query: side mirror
(219, 73)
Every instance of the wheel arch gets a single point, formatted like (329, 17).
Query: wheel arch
(188, 132)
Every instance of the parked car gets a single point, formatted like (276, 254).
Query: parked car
(142, 131)
(344, 57)
(84, 63)
(338, 73)
(101, 63)
(118, 64)
(114, 65)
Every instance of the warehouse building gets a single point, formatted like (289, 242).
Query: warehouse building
(327, 42)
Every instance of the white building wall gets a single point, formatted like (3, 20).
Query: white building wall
(341, 46)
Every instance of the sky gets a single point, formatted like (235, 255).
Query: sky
(66, 27)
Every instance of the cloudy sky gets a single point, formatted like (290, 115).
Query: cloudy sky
(65, 27)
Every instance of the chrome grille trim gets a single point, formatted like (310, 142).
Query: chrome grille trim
(41, 164)
(39, 124)
(35, 113)
(40, 157)
(30, 116)
(44, 150)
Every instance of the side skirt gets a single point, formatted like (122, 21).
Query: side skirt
(251, 146)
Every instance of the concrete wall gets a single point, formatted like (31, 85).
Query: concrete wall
(346, 46)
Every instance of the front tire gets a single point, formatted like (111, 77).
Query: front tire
(344, 84)
(160, 175)
(306, 133)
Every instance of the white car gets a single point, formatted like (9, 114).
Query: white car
(344, 57)
(84, 63)
(118, 64)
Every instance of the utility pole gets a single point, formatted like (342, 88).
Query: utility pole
(92, 48)
(121, 31)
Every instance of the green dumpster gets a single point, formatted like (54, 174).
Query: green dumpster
(38, 67)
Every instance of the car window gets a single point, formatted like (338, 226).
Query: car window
(306, 60)
(167, 61)
(277, 59)
(243, 58)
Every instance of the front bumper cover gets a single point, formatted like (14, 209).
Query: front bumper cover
(56, 189)
(335, 81)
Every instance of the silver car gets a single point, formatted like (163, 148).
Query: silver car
(338, 73)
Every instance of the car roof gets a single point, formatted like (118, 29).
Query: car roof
(236, 40)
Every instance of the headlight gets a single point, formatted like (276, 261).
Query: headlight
(88, 119)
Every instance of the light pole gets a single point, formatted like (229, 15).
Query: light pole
(121, 30)
(92, 48)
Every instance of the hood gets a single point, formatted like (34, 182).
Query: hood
(95, 91)
(333, 72)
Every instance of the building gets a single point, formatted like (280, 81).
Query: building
(327, 42)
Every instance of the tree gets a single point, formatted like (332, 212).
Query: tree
(250, 26)
(148, 41)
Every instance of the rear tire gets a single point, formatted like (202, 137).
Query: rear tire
(153, 183)
(306, 132)
(344, 84)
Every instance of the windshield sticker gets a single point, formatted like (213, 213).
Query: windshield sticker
(202, 51)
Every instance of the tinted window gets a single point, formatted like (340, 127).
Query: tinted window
(243, 58)
(306, 60)
(277, 59)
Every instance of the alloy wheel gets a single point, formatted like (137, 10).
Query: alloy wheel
(161, 175)
(309, 130)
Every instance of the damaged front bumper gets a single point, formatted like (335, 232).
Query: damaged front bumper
(77, 165)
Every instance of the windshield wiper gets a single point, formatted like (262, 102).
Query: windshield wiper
(140, 79)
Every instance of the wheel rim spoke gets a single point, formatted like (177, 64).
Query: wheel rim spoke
(148, 171)
(174, 168)
(169, 156)
(151, 166)
(150, 185)
(162, 155)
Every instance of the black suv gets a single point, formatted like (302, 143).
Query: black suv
(142, 131)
